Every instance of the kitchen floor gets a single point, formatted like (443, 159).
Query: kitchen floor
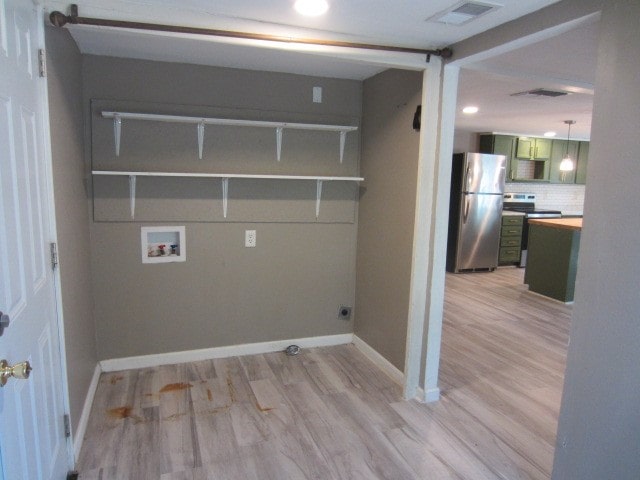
(329, 413)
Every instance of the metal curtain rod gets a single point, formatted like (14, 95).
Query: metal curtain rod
(59, 19)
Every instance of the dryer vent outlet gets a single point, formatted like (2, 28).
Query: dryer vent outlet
(344, 312)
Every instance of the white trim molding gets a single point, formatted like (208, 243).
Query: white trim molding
(78, 434)
(423, 256)
(382, 363)
(170, 358)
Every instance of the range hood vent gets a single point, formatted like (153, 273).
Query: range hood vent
(463, 12)
(541, 92)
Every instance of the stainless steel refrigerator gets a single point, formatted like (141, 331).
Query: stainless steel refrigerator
(475, 212)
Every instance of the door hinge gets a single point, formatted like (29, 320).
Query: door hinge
(42, 62)
(54, 254)
(67, 425)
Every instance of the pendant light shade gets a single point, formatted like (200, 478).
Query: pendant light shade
(566, 165)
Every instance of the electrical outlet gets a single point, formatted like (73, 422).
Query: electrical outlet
(317, 94)
(249, 238)
(344, 312)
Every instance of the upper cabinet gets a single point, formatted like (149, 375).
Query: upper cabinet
(528, 148)
(532, 159)
(581, 167)
(518, 169)
(559, 150)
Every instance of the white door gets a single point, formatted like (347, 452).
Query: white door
(32, 441)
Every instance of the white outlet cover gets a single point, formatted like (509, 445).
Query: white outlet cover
(249, 238)
(317, 94)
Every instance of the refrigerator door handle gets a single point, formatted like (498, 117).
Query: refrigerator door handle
(466, 209)
(501, 180)
(468, 178)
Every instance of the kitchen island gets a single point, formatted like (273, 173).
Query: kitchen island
(553, 257)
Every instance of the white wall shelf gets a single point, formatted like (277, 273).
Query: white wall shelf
(200, 122)
(225, 182)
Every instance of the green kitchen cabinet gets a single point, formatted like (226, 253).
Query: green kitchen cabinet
(498, 144)
(501, 145)
(510, 239)
(558, 152)
(530, 148)
(552, 261)
(581, 167)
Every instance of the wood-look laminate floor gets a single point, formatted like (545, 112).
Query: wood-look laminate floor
(329, 413)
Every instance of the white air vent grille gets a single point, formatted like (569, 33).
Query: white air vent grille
(473, 9)
(463, 12)
(540, 92)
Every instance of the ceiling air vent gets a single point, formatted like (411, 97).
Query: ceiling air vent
(463, 12)
(540, 92)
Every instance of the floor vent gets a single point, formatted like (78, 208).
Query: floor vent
(540, 92)
(463, 12)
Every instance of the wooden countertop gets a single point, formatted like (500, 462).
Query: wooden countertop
(566, 223)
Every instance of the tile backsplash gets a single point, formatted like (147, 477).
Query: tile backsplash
(569, 199)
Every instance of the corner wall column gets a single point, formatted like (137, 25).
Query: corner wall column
(426, 295)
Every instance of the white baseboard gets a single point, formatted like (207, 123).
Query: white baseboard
(431, 395)
(78, 435)
(385, 365)
(170, 358)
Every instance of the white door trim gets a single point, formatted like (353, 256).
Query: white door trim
(46, 143)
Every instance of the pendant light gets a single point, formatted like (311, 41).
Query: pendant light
(566, 165)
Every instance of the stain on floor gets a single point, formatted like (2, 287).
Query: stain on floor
(175, 387)
(120, 412)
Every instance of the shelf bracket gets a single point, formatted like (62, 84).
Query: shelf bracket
(278, 142)
(132, 195)
(225, 196)
(200, 138)
(318, 197)
(343, 137)
(117, 129)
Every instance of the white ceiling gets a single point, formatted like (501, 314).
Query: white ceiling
(563, 62)
(566, 62)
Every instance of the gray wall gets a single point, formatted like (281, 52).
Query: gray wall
(302, 269)
(387, 209)
(464, 141)
(599, 429)
(64, 79)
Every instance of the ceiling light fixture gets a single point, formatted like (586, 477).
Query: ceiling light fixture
(549, 134)
(469, 110)
(311, 8)
(566, 165)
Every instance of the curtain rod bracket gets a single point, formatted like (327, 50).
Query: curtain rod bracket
(59, 19)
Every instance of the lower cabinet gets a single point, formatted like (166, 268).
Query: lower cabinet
(510, 239)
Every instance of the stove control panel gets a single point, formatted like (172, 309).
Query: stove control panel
(520, 197)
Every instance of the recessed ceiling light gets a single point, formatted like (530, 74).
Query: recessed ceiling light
(469, 110)
(549, 134)
(311, 8)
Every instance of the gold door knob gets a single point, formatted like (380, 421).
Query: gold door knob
(19, 370)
